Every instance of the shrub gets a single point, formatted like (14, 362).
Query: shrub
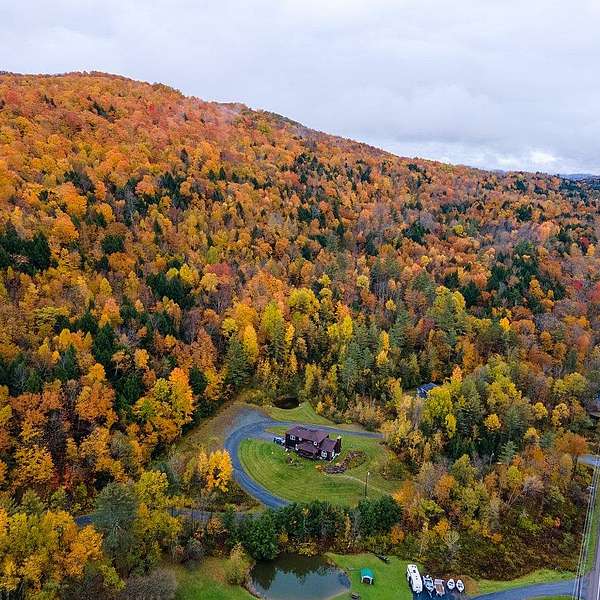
(393, 468)
(194, 550)
(157, 585)
(237, 566)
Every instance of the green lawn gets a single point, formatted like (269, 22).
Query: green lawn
(304, 413)
(206, 582)
(266, 463)
(390, 579)
(540, 576)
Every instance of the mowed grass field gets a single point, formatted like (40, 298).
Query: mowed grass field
(206, 581)
(266, 462)
(390, 579)
(304, 413)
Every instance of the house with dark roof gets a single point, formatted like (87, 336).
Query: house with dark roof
(593, 407)
(312, 443)
(423, 390)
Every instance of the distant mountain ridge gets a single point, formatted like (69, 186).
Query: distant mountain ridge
(579, 176)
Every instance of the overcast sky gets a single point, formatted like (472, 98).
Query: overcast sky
(509, 84)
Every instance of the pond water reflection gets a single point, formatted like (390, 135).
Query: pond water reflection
(295, 577)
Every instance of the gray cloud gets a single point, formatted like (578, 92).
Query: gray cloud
(495, 83)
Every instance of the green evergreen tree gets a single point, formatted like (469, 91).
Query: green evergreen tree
(114, 516)
(238, 365)
(67, 367)
(198, 381)
(104, 346)
(259, 536)
(507, 453)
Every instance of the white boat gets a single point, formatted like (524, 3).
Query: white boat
(450, 584)
(428, 583)
(440, 590)
(460, 586)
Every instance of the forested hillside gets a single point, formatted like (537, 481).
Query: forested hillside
(160, 254)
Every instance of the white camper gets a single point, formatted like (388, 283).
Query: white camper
(414, 579)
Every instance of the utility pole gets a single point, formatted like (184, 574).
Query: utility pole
(366, 483)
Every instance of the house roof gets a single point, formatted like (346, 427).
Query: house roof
(314, 435)
(308, 447)
(424, 389)
(364, 572)
(328, 445)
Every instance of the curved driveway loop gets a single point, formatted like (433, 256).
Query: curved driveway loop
(252, 424)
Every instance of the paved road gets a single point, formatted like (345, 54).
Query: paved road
(590, 459)
(532, 591)
(253, 424)
(593, 588)
(454, 595)
(589, 588)
(518, 593)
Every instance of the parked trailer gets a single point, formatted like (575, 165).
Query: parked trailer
(414, 579)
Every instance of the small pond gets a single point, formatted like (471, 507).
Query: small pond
(286, 402)
(295, 577)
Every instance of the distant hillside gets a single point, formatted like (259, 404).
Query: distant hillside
(589, 182)
(579, 176)
(127, 205)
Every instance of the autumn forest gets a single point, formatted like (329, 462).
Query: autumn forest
(162, 256)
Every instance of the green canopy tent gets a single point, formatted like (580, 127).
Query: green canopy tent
(366, 576)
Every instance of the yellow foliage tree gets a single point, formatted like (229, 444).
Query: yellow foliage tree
(210, 472)
(492, 422)
(43, 554)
